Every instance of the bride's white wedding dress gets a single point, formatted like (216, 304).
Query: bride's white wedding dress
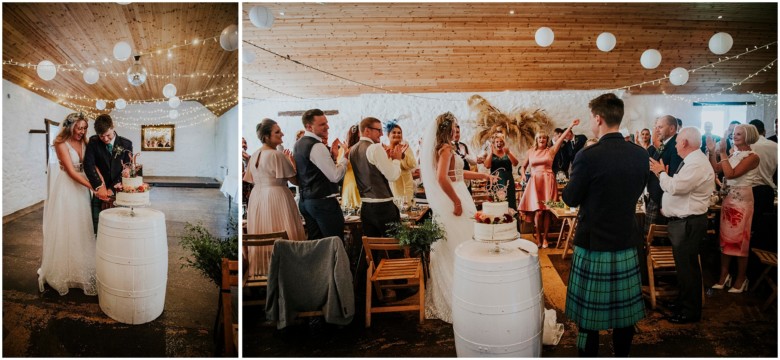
(68, 259)
(438, 298)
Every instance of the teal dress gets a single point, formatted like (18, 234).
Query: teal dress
(504, 167)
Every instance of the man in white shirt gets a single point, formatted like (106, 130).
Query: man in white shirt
(318, 178)
(374, 167)
(685, 202)
(763, 190)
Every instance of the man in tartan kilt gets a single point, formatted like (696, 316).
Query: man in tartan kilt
(605, 290)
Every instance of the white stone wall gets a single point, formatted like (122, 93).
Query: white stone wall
(24, 154)
(227, 146)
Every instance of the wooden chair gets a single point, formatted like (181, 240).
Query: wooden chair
(660, 261)
(252, 280)
(387, 275)
(229, 278)
(770, 260)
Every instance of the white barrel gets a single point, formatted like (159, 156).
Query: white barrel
(498, 300)
(132, 264)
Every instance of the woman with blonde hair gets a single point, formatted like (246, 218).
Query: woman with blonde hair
(350, 196)
(68, 256)
(404, 185)
(541, 185)
(443, 176)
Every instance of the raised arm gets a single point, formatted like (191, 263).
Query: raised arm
(557, 145)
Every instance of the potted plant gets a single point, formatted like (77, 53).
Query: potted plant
(419, 238)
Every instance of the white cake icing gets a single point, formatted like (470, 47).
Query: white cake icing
(495, 209)
(132, 199)
(132, 182)
(495, 231)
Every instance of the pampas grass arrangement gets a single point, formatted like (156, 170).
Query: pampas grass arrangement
(519, 125)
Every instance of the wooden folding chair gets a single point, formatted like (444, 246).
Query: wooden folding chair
(770, 260)
(392, 274)
(229, 278)
(660, 261)
(258, 281)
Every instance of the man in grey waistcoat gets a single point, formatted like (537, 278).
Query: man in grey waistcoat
(374, 167)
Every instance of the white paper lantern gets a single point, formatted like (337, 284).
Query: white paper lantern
(169, 90)
(174, 102)
(606, 42)
(248, 56)
(544, 36)
(721, 43)
(122, 51)
(100, 104)
(261, 17)
(120, 104)
(91, 75)
(678, 76)
(650, 59)
(228, 39)
(46, 70)
(173, 114)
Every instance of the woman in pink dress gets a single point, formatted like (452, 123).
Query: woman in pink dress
(741, 172)
(271, 206)
(541, 185)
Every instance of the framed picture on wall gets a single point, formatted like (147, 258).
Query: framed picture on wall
(157, 137)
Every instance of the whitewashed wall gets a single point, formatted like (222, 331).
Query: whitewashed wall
(227, 149)
(24, 154)
(416, 111)
(194, 146)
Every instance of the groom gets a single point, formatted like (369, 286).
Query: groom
(105, 153)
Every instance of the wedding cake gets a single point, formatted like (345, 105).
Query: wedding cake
(133, 192)
(495, 222)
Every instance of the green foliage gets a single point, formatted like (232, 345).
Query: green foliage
(208, 250)
(418, 237)
(555, 204)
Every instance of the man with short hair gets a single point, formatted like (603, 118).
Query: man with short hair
(764, 188)
(774, 137)
(708, 134)
(106, 151)
(665, 131)
(572, 146)
(685, 202)
(605, 287)
(374, 168)
(318, 178)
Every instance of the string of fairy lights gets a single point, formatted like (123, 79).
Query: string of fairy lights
(768, 100)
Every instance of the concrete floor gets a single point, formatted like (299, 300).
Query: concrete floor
(45, 324)
(732, 326)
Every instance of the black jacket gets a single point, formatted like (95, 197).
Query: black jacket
(110, 165)
(569, 150)
(670, 157)
(606, 181)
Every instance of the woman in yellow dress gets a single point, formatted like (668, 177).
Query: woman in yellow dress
(350, 198)
(404, 186)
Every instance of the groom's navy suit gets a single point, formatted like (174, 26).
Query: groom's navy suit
(97, 158)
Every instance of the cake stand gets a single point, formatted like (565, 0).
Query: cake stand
(130, 205)
(498, 249)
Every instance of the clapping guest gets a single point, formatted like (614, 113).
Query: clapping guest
(500, 162)
(665, 132)
(741, 172)
(542, 186)
(271, 206)
(404, 185)
(350, 196)
(708, 134)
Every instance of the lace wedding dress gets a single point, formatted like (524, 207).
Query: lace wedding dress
(459, 229)
(68, 259)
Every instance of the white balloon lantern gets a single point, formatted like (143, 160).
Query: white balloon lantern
(174, 102)
(606, 42)
(91, 75)
(678, 76)
(721, 43)
(169, 90)
(120, 104)
(100, 104)
(248, 56)
(228, 39)
(544, 37)
(261, 17)
(122, 51)
(46, 70)
(173, 114)
(650, 59)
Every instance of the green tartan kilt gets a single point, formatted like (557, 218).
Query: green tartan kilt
(605, 289)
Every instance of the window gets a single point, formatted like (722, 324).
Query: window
(721, 116)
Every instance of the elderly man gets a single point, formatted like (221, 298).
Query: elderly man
(685, 201)
(665, 140)
(374, 168)
(318, 178)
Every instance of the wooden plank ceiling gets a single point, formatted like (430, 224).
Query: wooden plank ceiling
(480, 47)
(79, 33)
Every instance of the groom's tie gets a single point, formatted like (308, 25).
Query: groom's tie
(110, 148)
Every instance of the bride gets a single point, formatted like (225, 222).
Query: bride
(68, 259)
(452, 205)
